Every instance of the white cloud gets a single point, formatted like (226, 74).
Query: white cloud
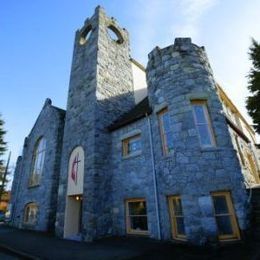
(192, 11)
(159, 20)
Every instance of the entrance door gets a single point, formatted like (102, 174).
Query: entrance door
(73, 217)
(73, 210)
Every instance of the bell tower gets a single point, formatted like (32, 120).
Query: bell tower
(100, 90)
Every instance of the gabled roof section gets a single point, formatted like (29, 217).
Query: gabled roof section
(48, 103)
(139, 111)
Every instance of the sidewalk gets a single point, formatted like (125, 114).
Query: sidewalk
(38, 245)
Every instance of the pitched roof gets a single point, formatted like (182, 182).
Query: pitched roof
(139, 111)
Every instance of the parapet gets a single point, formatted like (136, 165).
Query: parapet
(182, 52)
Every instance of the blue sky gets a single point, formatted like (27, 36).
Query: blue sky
(37, 37)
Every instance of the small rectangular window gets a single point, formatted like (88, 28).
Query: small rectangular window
(177, 218)
(165, 131)
(202, 122)
(239, 150)
(136, 216)
(225, 216)
(252, 168)
(132, 145)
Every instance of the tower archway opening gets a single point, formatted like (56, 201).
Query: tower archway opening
(85, 35)
(114, 34)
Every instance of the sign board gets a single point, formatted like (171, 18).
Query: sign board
(76, 172)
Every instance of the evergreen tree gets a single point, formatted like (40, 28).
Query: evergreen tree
(253, 101)
(2, 151)
(2, 142)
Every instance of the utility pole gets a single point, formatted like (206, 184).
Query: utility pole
(4, 177)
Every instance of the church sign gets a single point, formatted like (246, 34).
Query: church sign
(76, 172)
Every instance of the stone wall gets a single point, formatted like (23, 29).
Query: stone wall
(49, 125)
(132, 177)
(176, 75)
(101, 89)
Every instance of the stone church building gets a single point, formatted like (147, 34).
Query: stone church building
(159, 151)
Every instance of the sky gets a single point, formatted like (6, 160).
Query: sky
(36, 44)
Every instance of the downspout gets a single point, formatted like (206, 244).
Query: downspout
(154, 178)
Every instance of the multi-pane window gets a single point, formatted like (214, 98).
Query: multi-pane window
(38, 161)
(165, 130)
(225, 216)
(252, 168)
(132, 145)
(240, 152)
(177, 218)
(136, 216)
(202, 122)
(30, 214)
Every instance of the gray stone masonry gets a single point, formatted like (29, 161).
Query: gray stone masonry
(101, 89)
(132, 177)
(49, 125)
(177, 75)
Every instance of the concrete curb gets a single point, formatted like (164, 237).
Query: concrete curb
(19, 252)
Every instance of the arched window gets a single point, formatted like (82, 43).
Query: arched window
(38, 161)
(30, 213)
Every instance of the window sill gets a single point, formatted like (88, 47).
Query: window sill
(168, 155)
(29, 225)
(138, 233)
(31, 186)
(179, 240)
(229, 240)
(135, 154)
